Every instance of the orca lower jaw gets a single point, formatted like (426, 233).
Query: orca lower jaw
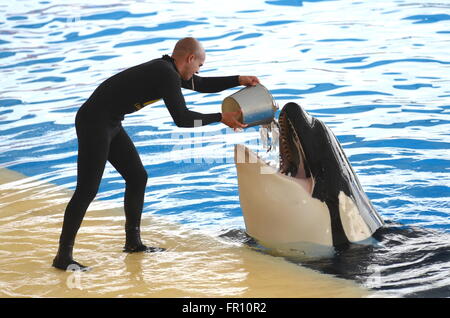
(293, 162)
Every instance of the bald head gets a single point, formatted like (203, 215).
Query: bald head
(188, 46)
(189, 56)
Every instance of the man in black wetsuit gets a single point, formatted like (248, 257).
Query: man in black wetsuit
(102, 138)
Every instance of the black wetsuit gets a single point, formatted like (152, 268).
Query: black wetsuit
(102, 138)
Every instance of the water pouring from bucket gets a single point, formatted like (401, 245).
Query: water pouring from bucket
(257, 107)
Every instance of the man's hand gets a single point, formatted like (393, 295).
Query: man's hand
(230, 119)
(248, 80)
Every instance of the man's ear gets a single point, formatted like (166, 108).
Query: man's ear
(191, 58)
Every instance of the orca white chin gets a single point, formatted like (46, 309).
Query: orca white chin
(314, 198)
(279, 209)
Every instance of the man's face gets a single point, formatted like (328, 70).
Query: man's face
(193, 64)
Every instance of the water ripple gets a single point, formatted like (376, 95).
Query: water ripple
(385, 62)
(115, 15)
(75, 37)
(33, 62)
(430, 18)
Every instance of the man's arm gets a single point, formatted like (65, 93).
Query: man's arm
(217, 84)
(181, 115)
(210, 84)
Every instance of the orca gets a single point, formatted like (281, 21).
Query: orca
(314, 197)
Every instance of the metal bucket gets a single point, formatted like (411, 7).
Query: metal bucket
(256, 103)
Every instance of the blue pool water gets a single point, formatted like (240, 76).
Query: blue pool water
(376, 72)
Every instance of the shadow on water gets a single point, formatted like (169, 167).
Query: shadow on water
(405, 261)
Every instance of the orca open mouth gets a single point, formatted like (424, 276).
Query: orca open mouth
(293, 161)
(314, 196)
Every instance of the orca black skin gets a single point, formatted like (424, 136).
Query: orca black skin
(325, 161)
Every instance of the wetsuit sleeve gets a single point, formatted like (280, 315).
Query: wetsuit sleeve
(175, 103)
(210, 84)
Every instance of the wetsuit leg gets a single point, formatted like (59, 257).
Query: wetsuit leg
(94, 140)
(125, 159)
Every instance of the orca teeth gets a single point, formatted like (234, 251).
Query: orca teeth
(289, 158)
(285, 155)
